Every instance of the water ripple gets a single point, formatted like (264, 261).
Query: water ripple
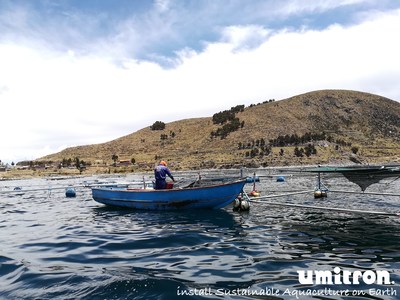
(55, 247)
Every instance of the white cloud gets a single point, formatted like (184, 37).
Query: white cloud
(245, 37)
(294, 7)
(162, 5)
(52, 99)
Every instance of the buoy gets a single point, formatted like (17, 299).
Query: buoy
(280, 179)
(240, 204)
(244, 205)
(236, 203)
(254, 193)
(320, 194)
(70, 193)
(251, 179)
(254, 179)
(320, 190)
(18, 191)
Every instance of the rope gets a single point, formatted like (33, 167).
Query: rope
(254, 199)
(329, 208)
(48, 188)
(41, 189)
(281, 195)
(365, 193)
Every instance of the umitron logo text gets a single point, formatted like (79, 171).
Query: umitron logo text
(339, 276)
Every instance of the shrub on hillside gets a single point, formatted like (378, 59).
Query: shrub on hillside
(158, 125)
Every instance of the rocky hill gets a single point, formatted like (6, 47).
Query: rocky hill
(326, 127)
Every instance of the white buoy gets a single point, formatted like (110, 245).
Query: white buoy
(241, 204)
(236, 204)
(244, 205)
(320, 194)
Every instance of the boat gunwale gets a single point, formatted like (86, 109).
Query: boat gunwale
(139, 190)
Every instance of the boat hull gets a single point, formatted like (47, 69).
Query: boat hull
(211, 197)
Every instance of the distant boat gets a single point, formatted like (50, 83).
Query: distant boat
(196, 195)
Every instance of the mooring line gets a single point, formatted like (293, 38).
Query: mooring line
(44, 188)
(328, 208)
(365, 193)
(281, 195)
(256, 200)
(41, 189)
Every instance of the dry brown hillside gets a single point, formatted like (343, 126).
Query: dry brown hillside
(359, 127)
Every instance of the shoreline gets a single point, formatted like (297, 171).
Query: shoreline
(59, 174)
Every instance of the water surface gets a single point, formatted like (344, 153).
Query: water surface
(53, 247)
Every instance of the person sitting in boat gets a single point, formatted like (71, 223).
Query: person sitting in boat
(160, 173)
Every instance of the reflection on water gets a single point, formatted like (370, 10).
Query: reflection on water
(55, 247)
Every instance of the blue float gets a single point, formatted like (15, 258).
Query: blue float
(70, 192)
(252, 179)
(280, 179)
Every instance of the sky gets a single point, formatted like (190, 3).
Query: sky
(78, 72)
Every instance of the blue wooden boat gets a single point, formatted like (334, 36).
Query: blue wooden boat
(212, 196)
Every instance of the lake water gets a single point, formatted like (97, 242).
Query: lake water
(53, 247)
